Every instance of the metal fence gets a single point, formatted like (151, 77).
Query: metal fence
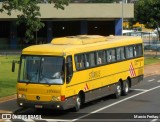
(151, 42)
(151, 45)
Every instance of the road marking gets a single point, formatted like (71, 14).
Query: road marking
(28, 120)
(139, 89)
(151, 80)
(105, 107)
(5, 100)
(6, 120)
(158, 81)
(55, 120)
(154, 120)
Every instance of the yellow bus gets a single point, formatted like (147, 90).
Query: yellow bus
(73, 70)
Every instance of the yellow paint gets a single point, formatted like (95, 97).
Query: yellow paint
(94, 77)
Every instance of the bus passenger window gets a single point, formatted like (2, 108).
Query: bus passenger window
(120, 53)
(111, 55)
(140, 50)
(79, 60)
(87, 60)
(101, 58)
(90, 59)
(137, 50)
(129, 52)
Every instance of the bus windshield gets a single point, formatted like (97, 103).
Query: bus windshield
(42, 70)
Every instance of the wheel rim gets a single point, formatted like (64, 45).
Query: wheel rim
(126, 87)
(78, 102)
(118, 90)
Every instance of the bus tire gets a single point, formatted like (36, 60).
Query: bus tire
(118, 91)
(126, 88)
(78, 103)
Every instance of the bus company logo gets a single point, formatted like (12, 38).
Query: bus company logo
(132, 70)
(38, 97)
(86, 87)
(6, 116)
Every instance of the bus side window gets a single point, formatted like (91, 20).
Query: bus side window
(87, 60)
(69, 69)
(113, 52)
(120, 53)
(92, 59)
(138, 50)
(109, 56)
(79, 61)
(101, 58)
(129, 52)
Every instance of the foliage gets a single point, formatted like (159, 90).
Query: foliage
(148, 61)
(29, 13)
(148, 13)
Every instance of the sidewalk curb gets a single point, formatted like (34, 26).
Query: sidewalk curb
(153, 72)
(4, 99)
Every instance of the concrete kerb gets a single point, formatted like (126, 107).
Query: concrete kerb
(11, 97)
(152, 69)
(148, 71)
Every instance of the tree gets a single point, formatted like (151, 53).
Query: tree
(30, 14)
(148, 13)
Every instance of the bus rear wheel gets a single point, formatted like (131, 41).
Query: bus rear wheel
(126, 88)
(78, 103)
(118, 91)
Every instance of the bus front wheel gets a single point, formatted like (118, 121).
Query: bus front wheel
(78, 103)
(118, 91)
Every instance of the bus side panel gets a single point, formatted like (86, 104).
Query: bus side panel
(100, 81)
(100, 92)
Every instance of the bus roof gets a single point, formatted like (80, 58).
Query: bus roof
(81, 43)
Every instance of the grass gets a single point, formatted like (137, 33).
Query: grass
(148, 61)
(8, 79)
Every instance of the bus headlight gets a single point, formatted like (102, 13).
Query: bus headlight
(54, 98)
(22, 96)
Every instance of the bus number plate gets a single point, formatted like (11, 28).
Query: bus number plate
(38, 106)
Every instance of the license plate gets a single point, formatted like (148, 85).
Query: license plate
(38, 106)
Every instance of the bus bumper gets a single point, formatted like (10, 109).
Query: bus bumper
(57, 105)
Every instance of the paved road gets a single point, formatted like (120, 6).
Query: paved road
(142, 103)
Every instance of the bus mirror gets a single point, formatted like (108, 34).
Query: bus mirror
(13, 66)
